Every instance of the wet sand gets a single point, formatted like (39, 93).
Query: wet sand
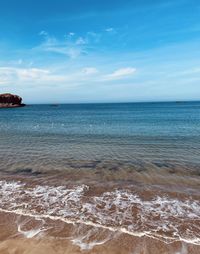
(63, 238)
(69, 213)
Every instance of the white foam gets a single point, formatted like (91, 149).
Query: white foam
(117, 211)
(29, 233)
(32, 232)
(88, 239)
(87, 246)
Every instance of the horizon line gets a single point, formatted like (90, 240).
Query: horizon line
(122, 102)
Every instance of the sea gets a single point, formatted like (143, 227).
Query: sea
(102, 178)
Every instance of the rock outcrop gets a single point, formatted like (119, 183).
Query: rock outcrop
(8, 100)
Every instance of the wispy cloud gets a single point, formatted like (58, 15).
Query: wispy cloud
(12, 74)
(121, 73)
(34, 75)
(73, 45)
(81, 41)
(69, 46)
(110, 29)
(43, 33)
(20, 76)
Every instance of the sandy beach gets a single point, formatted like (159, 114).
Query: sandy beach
(90, 216)
(23, 234)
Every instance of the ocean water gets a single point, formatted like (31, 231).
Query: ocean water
(106, 170)
(143, 132)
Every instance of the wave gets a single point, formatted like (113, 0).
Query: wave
(121, 210)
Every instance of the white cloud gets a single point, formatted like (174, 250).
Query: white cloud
(31, 73)
(69, 47)
(72, 45)
(109, 30)
(24, 76)
(43, 33)
(70, 51)
(81, 41)
(9, 74)
(71, 34)
(120, 73)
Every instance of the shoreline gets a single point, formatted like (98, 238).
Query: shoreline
(75, 239)
(96, 218)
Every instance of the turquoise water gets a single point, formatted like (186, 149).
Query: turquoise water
(135, 133)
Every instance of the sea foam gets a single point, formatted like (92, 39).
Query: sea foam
(161, 217)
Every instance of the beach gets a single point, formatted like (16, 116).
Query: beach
(99, 127)
(100, 179)
(116, 217)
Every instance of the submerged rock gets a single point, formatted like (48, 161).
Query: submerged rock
(8, 100)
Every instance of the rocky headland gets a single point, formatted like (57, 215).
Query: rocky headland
(8, 100)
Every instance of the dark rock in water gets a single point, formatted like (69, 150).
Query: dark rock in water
(8, 100)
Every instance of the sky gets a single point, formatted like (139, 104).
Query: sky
(79, 51)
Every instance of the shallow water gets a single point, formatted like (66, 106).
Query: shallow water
(95, 175)
(164, 134)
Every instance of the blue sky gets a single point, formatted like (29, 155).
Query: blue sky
(100, 51)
